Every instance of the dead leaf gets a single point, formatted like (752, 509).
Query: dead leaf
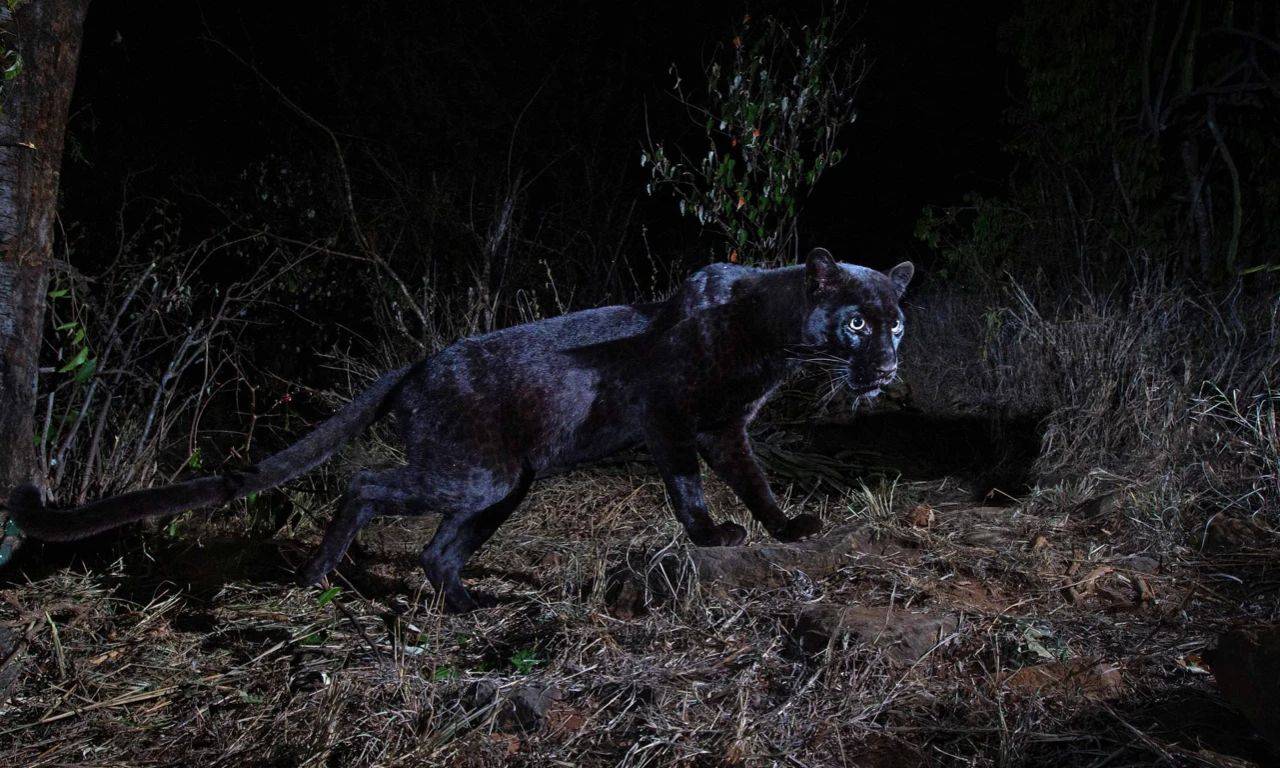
(921, 516)
(511, 744)
(1143, 593)
(1077, 591)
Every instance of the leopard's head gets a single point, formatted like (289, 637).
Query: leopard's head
(854, 321)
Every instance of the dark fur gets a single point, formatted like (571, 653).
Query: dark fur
(483, 418)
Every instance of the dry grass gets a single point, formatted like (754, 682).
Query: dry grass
(195, 650)
(1171, 390)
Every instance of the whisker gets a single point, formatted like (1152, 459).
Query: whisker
(834, 386)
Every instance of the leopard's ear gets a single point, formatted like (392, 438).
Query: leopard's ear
(821, 271)
(901, 276)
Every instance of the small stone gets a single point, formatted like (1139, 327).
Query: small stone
(1099, 506)
(521, 710)
(1228, 534)
(481, 693)
(526, 709)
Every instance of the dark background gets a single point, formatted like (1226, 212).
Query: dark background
(435, 91)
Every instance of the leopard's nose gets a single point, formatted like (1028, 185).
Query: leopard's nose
(886, 370)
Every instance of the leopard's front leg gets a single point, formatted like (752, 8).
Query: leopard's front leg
(728, 451)
(674, 449)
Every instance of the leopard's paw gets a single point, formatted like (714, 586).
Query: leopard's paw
(797, 528)
(725, 534)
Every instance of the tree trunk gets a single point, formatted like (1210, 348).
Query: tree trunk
(1200, 221)
(46, 34)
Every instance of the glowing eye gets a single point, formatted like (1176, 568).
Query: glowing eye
(897, 327)
(856, 323)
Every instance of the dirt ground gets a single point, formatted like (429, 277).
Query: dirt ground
(922, 628)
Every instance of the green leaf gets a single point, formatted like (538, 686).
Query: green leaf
(524, 661)
(59, 293)
(249, 698)
(86, 371)
(76, 361)
(444, 673)
(328, 595)
(14, 68)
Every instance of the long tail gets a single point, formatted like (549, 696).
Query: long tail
(26, 509)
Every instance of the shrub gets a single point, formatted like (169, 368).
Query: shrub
(136, 355)
(1240, 465)
(772, 112)
(1147, 379)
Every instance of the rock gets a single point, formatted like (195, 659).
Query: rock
(521, 710)
(770, 565)
(1246, 665)
(526, 709)
(480, 694)
(904, 635)
(1092, 680)
(1228, 534)
(1104, 506)
(642, 582)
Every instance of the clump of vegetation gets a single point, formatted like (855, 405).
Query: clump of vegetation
(140, 353)
(1240, 451)
(774, 104)
(1124, 280)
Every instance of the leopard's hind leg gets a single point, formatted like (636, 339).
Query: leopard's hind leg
(460, 535)
(403, 490)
